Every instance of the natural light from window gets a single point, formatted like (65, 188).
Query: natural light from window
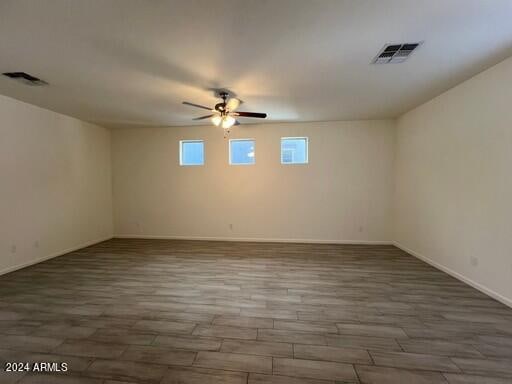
(191, 152)
(242, 152)
(294, 150)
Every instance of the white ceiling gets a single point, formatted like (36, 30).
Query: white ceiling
(132, 62)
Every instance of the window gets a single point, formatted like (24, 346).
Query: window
(241, 152)
(191, 152)
(294, 150)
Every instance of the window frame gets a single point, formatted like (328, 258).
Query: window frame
(229, 151)
(181, 153)
(305, 138)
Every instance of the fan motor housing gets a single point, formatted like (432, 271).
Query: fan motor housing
(221, 107)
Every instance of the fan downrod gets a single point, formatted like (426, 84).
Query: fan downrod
(221, 107)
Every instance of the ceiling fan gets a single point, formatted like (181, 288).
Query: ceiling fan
(224, 114)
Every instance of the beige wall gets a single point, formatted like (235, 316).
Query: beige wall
(342, 195)
(453, 199)
(55, 184)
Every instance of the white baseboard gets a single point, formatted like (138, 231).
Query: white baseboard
(488, 291)
(258, 239)
(60, 253)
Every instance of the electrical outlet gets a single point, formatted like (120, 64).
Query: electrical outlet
(474, 261)
(13, 248)
(361, 229)
(230, 227)
(36, 244)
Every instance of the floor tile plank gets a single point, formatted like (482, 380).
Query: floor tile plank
(341, 355)
(203, 376)
(414, 361)
(263, 348)
(325, 370)
(384, 375)
(234, 361)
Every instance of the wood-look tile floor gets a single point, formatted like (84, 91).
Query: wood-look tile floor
(158, 311)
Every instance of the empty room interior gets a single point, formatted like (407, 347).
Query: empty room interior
(256, 192)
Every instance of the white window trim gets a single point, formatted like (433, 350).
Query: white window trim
(306, 139)
(229, 150)
(181, 153)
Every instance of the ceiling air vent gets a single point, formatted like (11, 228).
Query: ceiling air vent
(25, 78)
(395, 53)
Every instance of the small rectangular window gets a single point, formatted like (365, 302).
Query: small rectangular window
(191, 152)
(294, 150)
(241, 152)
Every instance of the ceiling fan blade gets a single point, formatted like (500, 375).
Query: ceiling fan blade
(197, 105)
(233, 104)
(203, 117)
(251, 114)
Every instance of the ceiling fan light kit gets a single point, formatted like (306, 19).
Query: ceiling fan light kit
(228, 121)
(224, 114)
(216, 120)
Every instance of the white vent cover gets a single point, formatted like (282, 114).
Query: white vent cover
(395, 53)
